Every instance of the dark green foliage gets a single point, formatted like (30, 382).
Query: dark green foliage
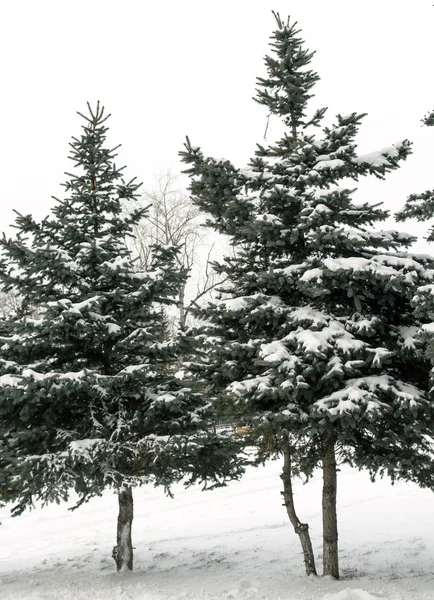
(88, 392)
(285, 92)
(420, 206)
(314, 336)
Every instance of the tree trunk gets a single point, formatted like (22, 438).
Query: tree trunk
(123, 551)
(182, 314)
(329, 515)
(301, 529)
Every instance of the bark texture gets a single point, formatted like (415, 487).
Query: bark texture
(123, 551)
(301, 529)
(329, 514)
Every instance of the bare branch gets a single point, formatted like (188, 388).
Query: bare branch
(174, 220)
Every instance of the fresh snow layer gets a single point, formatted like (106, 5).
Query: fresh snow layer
(231, 543)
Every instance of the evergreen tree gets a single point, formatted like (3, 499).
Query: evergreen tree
(88, 393)
(312, 340)
(420, 206)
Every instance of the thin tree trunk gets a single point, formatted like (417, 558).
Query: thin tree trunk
(123, 551)
(301, 529)
(182, 314)
(329, 514)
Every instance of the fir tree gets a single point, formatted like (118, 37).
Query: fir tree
(313, 339)
(420, 206)
(89, 399)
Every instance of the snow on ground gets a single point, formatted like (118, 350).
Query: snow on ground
(232, 543)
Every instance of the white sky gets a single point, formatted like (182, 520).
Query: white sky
(167, 68)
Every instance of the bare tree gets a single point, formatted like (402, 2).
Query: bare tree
(174, 220)
(9, 303)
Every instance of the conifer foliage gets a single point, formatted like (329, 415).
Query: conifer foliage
(313, 341)
(420, 205)
(88, 393)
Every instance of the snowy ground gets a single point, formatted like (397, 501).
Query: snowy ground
(231, 543)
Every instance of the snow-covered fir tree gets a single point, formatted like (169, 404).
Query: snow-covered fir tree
(312, 340)
(88, 393)
(420, 206)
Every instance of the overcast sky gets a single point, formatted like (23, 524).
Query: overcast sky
(167, 68)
